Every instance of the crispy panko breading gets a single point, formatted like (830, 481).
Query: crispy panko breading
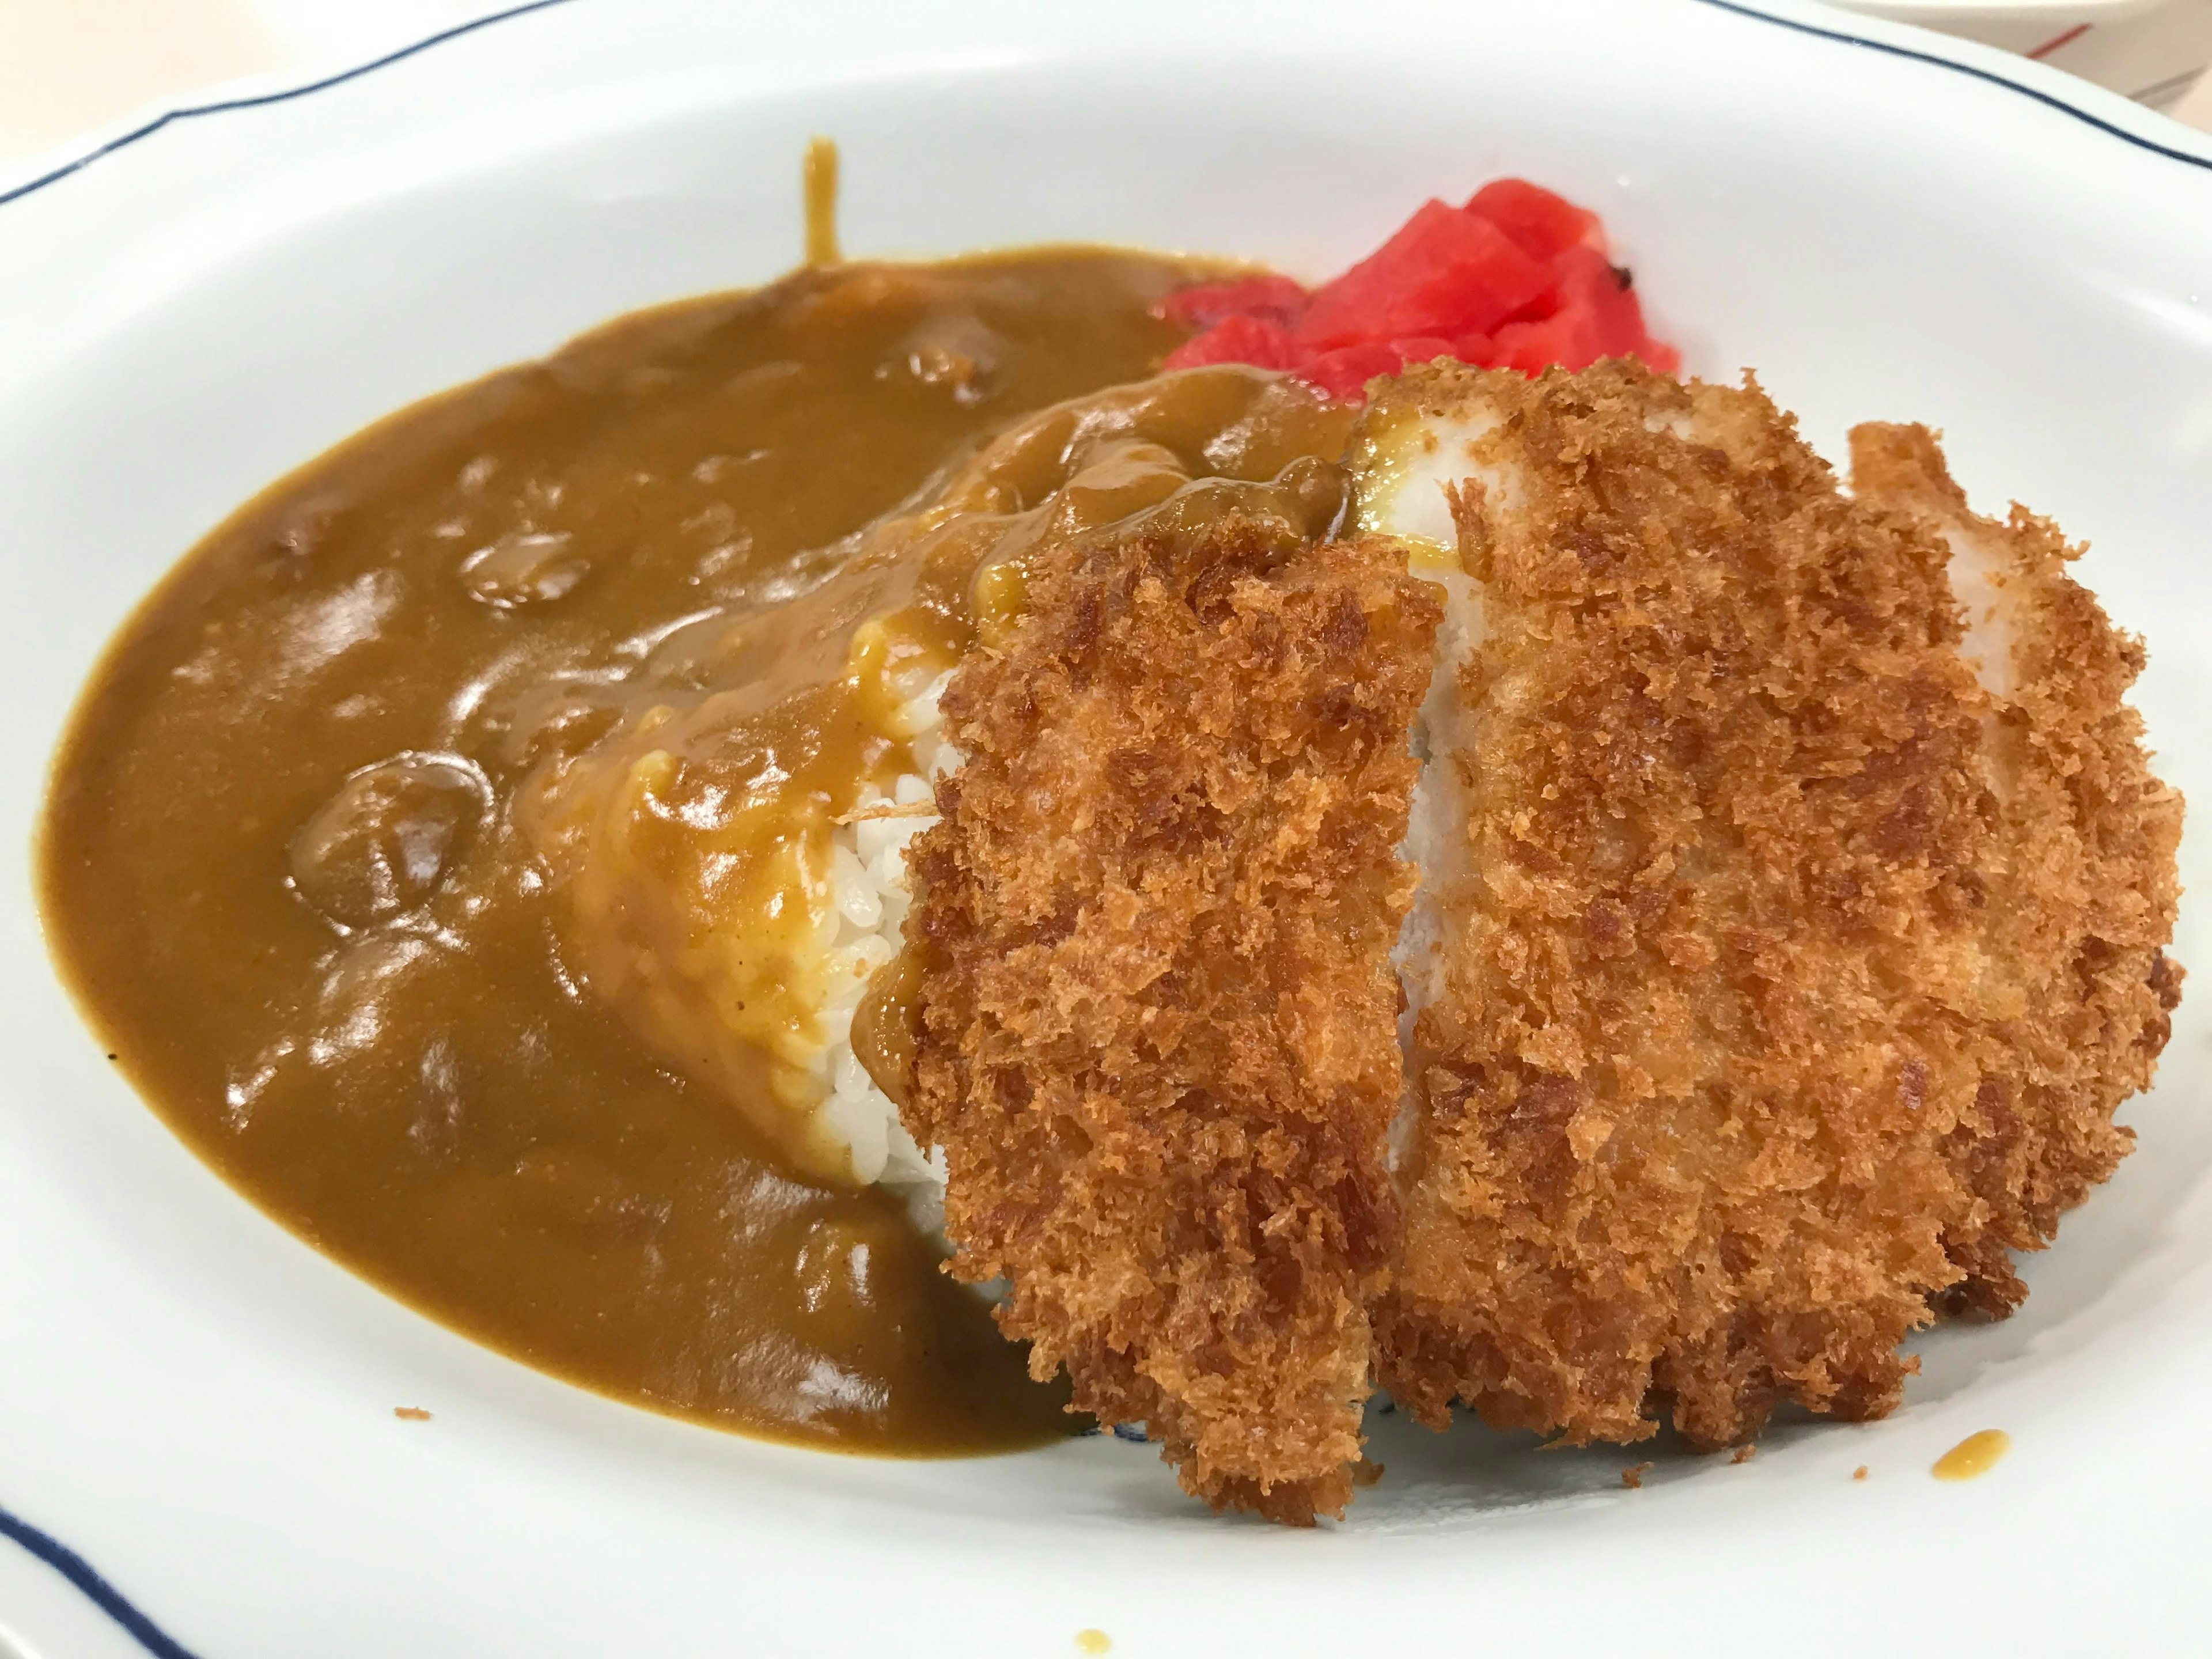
(1158, 1016)
(1710, 1098)
(2079, 870)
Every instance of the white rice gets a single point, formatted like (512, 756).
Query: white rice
(863, 914)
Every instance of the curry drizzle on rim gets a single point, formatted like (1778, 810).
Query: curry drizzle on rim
(284, 871)
(818, 188)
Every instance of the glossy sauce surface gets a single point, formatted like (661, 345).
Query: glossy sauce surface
(283, 870)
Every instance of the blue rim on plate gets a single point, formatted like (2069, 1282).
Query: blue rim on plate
(1845, 37)
(102, 1595)
(58, 1555)
(284, 95)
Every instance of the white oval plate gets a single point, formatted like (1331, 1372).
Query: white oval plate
(1886, 225)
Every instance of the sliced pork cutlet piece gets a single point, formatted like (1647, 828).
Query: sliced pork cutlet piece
(1703, 863)
(1158, 1017)
(2080, 880)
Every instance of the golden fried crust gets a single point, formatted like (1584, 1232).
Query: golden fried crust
(2080, 889)
(1158, 1018)
(1690, 1087)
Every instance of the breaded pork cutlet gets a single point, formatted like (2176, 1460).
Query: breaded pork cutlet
(1157, 1014)
(2080, 877)
(1708, 1104)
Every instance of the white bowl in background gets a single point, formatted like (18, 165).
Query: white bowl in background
(2055, 14)
(1886, 225)
(2147, 49)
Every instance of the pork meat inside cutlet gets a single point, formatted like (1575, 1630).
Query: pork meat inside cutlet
(1157, 1012)
(1706, 1103)
(2080, 869)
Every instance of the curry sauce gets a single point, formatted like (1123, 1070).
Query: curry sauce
(283, 871)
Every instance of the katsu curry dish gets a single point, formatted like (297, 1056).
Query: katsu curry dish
(936, 855)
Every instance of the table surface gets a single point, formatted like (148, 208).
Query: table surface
(70, 66)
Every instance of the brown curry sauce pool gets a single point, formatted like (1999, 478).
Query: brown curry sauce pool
(280, 871)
